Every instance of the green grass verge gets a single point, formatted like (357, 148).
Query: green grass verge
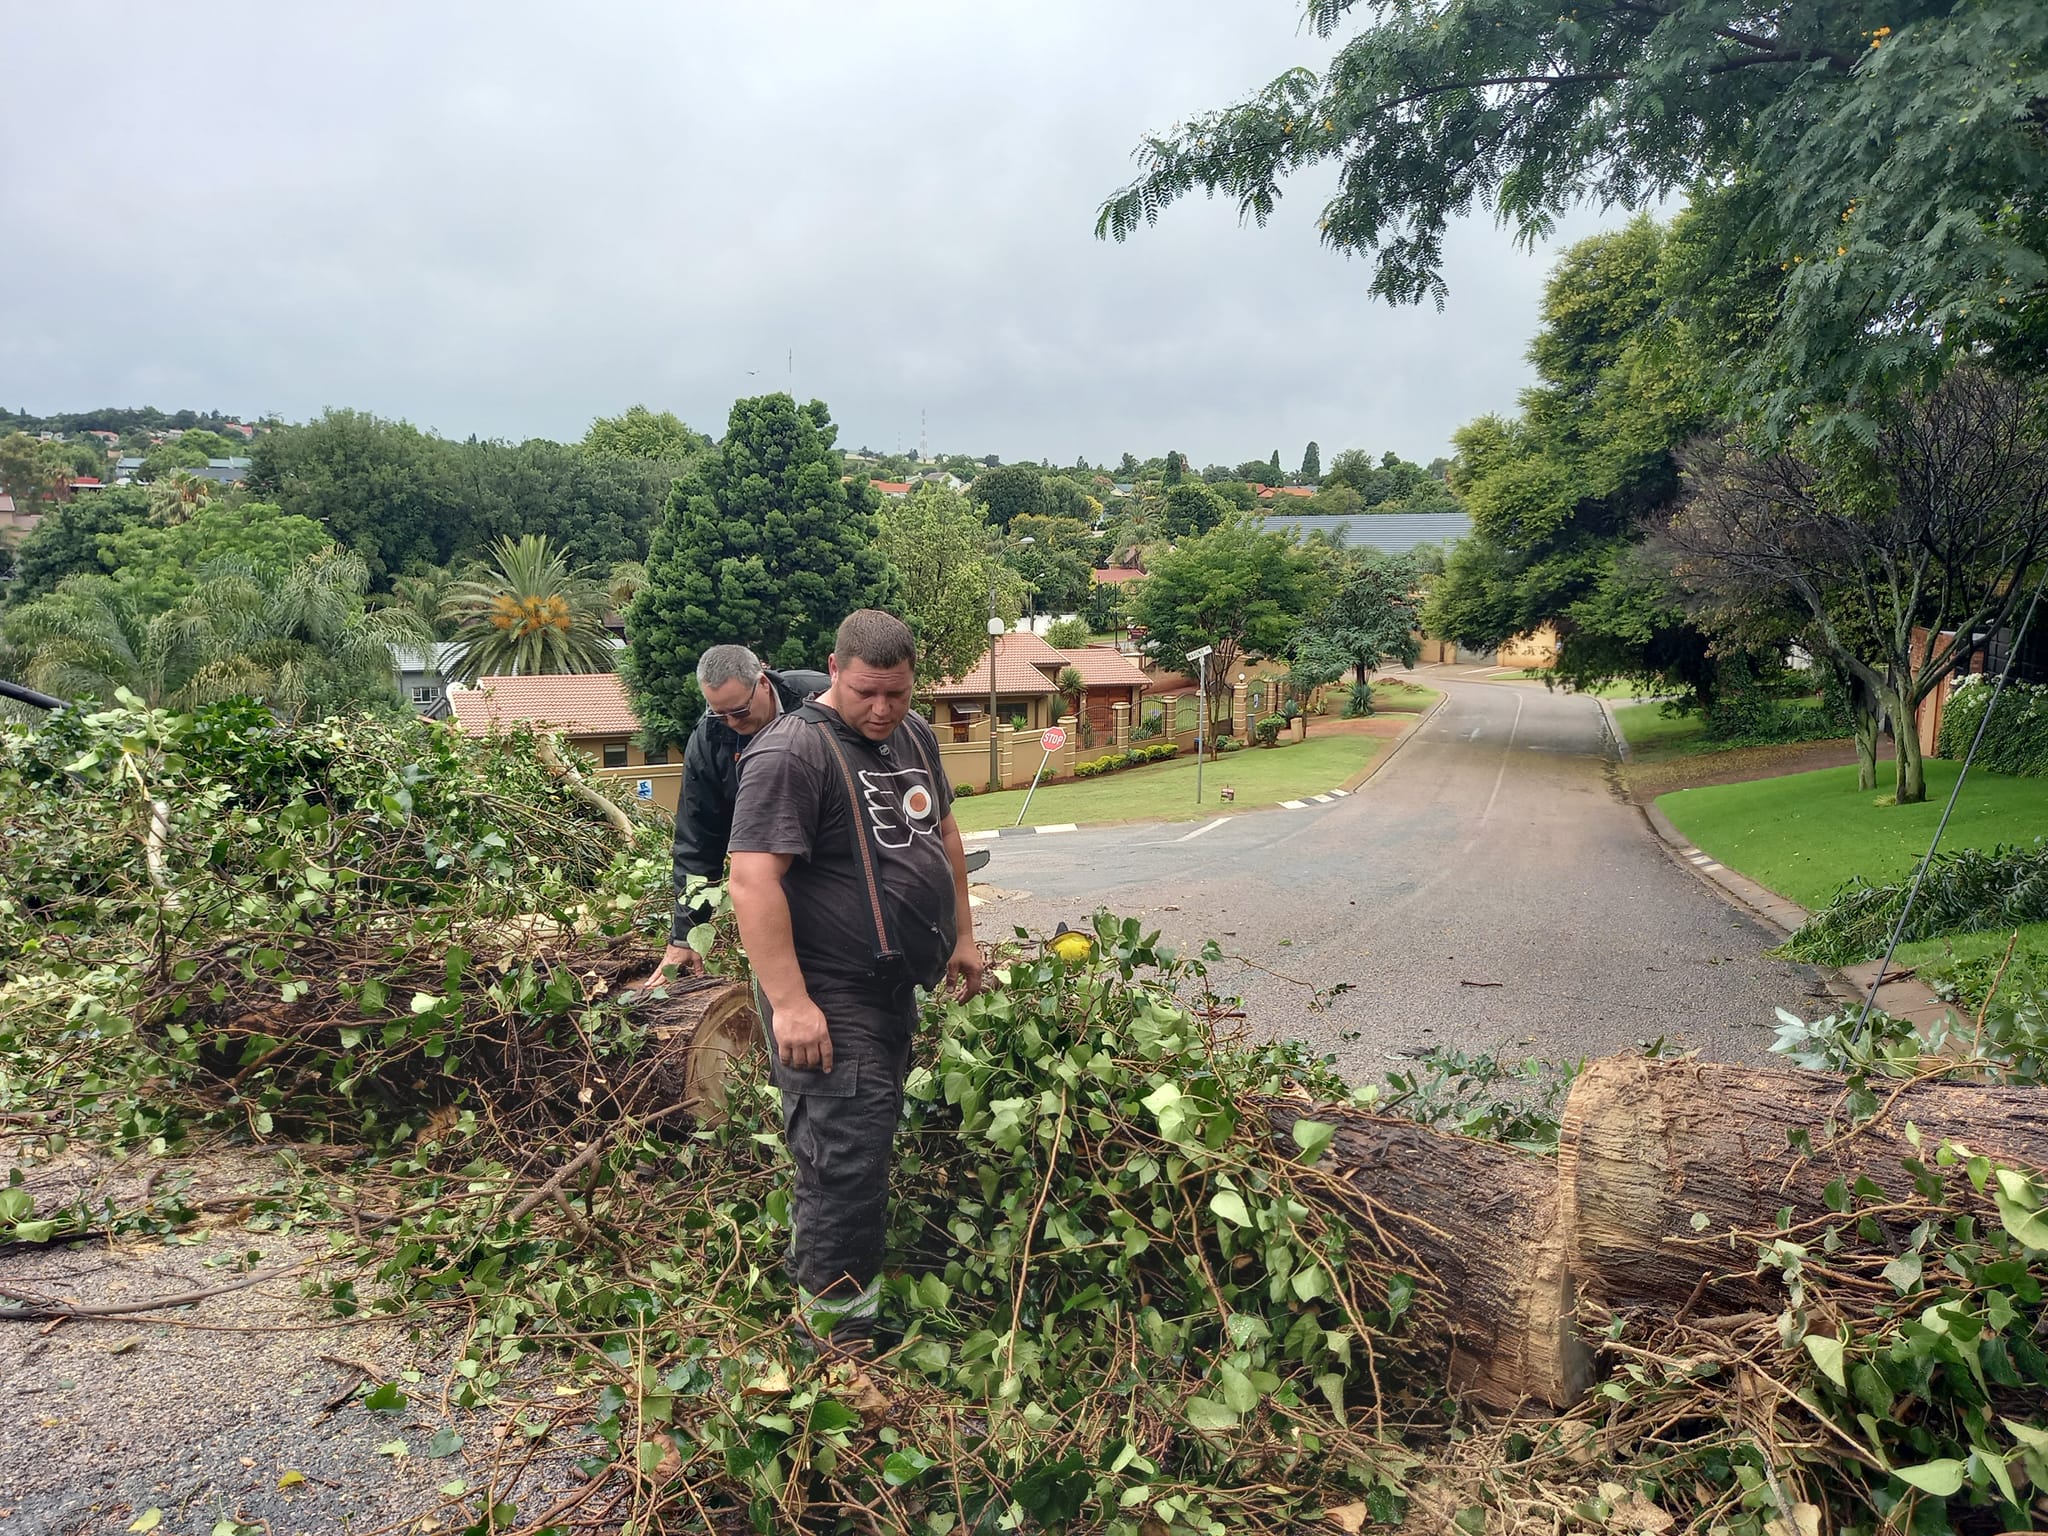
(1410, 698)
(1804, 834)
(1166, 791)
(1646, 728)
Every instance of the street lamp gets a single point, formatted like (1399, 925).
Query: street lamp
(1201, 660)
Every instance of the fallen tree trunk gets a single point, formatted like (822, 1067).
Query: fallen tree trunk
(1507, 1246)
(1648, 1145)
(1475, 1223)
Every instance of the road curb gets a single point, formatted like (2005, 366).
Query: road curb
(1381, 759)
(1058, 826)
(1907, 997)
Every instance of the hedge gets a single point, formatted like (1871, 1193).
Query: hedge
(1129, 759)
(2016, 743)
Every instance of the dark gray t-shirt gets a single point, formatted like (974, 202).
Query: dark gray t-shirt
(794, 798)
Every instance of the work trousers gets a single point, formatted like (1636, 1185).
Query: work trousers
(840, 1127)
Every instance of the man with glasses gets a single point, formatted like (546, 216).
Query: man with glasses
(741, 698)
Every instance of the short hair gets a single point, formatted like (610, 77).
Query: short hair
(724, 664)
(877, 638)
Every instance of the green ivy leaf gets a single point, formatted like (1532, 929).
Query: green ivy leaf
(1229, 1204)
(1207, 1413)
(2019, 1209)
(387, 1399)
(905, 1466)
(1312, 1136)
(1940, 1478)
(446, 1442)
(1827, 1354)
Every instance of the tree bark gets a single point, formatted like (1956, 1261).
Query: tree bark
(1646, 1145)
(1475, 1224)
(1910, 783)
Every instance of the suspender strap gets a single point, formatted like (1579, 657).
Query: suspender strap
(883, 948)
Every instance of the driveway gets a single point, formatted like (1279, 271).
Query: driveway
(1487, 889)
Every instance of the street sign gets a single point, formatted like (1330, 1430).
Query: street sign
(1053, 739)
(644, 790)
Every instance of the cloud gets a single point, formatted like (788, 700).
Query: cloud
(506, 219)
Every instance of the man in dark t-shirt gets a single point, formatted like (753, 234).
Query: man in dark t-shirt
(849, 881)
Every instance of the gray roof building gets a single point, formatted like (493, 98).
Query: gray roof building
(1391, 533)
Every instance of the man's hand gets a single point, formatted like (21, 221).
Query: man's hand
(687, 962)
(964, 968)
(801, 1038)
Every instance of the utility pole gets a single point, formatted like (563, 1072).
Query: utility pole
(1201, 660)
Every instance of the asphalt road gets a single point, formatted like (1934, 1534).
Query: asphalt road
(1486, 889)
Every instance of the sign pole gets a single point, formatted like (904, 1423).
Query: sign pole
(1052, 739)
(1201, 660)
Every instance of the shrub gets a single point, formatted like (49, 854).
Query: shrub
(1359, 702)
(1266, 731)
(2017, 740)
(1148, 727)
(1227, 744)
(962, 791)
(1067, 634)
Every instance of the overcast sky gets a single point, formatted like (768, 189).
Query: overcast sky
(506, 219)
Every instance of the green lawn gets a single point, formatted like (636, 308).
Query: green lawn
(1166, 791)
(1411, 698)
(1646, 728)
(1804, 834)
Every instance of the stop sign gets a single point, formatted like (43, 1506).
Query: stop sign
(1053, 739)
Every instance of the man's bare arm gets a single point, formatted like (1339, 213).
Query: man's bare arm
(965, 966)
(758, 901)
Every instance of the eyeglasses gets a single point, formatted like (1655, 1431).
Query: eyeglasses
(745, 709)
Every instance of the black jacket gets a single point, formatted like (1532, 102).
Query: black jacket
(711, 781)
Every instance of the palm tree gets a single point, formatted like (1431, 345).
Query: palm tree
(527, 612)
(92, 636)
(300, 635)
(425, 595)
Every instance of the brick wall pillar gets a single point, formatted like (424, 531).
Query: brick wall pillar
(1240, 708)
(1006, 754)
(1062, 764)
(1120, 727)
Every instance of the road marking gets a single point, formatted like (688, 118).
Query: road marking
(1294, 805)
(1505, 753)
(1200, 830)
(1340, 793)
(1061, 826)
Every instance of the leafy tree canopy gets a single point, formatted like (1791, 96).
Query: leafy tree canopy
(1561, 495)
(160, 565)
(1891, 158)
(761, 545)
(1011, 491)
(66, 542)
(939, 546)
(643, 434)
(1238, 588)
